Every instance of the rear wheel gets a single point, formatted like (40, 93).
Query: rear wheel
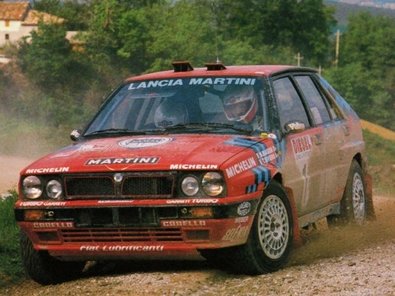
(353, 206)
(43, 268)
(270, 238)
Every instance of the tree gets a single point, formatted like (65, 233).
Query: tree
(367, 73)
(74, 12)
(366, 94)
(369, 40)
(301, 25)
(46, 56)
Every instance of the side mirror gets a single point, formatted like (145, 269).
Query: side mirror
(294, 127)
(75, 135)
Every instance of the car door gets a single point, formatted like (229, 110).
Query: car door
(328, 120)
(303, 166)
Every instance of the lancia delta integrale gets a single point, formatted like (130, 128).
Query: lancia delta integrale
(226, 162)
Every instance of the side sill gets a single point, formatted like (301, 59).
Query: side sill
(332, 209)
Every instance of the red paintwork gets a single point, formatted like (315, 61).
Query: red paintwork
(199, 149)
(248, 70)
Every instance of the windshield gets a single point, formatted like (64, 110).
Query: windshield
(207, 104)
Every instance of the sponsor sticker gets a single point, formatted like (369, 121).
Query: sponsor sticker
(267, 155)
(193, 201)
(192, 81)
(301, 146)
(136, 143)
(52, 224)
(193, 166)
(48, 170)
(120, 248)
(42, 203)
(124, 160)
(92, 147)
(244, 208)
(241, 232)
(183, 223)
(241, 167)
(241, 219)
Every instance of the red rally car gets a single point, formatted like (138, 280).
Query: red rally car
(226, 162)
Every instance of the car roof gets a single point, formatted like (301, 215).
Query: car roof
(243, 70)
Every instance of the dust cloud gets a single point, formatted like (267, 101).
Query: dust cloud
(325, 242)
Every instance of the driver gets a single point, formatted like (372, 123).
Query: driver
(170, 113)
(240, 103)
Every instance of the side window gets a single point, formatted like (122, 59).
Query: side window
(329, 97)
(314, 99)
(289, 103)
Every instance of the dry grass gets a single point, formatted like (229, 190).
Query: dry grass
(379, 130)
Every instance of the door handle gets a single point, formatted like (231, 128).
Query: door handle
(346, 130)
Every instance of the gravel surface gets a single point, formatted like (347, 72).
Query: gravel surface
(343, 261)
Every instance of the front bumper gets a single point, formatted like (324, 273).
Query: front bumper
(75, 230)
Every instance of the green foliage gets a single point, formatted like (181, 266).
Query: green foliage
(381, 156)
(132, 37)
(74, 12)
(10, 261)
(46, 58)
(366, 76)
(301, 25)
(367, 95)
(370, 41)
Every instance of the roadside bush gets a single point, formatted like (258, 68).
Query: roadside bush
(10, 261)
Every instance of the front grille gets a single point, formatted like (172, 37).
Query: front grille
(147, 186)
(121, 235)
(89, 186)
(121, 217)
(132, 185)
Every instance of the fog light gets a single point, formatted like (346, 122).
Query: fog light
(198, 212)
(34, 215)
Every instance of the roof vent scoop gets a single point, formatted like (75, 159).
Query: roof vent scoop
(215, 66)
(182, 66)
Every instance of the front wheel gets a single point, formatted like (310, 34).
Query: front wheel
(43, 268)
(270, 239)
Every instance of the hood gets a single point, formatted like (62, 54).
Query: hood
(140, 153)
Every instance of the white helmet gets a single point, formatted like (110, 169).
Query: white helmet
(170, 113)
(240, 103)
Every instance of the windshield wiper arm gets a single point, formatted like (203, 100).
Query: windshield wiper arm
(209, 126)
(114, 131)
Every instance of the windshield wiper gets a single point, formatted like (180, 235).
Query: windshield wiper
(209, 126)
(114, 131)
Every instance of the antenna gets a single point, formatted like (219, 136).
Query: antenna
(215, 25)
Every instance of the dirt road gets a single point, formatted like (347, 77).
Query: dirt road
(346, 261)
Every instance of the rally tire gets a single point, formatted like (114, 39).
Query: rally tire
(44, 269)
(270, 238)
(354, 203)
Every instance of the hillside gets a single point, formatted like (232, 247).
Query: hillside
(344, 10)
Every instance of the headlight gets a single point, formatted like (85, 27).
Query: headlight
(213, 184)
(190, 186)
(32, 187)
(54, 189)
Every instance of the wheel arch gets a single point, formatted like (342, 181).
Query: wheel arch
(368, 185)
(297, 240)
